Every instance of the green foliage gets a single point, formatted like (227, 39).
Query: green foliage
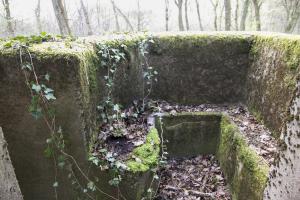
(147, 155)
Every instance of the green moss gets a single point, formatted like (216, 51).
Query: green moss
(289, 46)
(256, 113)
(180, 41)
(246, 171)
(146, 156)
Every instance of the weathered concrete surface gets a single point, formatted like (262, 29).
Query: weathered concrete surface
(26, 136)
(284, 182)
(190, 134)
(192, 69)
(9, 187)
(271, 78)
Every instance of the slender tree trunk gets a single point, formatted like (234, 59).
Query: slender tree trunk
(180, 19)
(221, 17)
(116, 16)
(186, 15)
(292, 22)
(138, 16)
(215, 7)
(123, 15)
(227, 5)
(257, 14)
(199, 15)
(236, 17)
(167, 14)
(86, 17)
(37, 12)
(8, 17)
(61, 17)
(244, 15)
(98, 13)
(292, 9)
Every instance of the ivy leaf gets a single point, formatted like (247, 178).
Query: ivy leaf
(91, 186)
(26, 66)
(55, 184)
(47, 77)
(48, 90)
(50, 96)
(116, 107)
(36, 88)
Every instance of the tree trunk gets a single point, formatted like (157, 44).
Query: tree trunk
(98, 13)
(236, 17)
(86, 17)
(123, 15)
(8, 17)
(292, 9)
(116, 16)
(61, 17)
(138, 16)
(227, 5)
(37, 13)
(199, 15)
(186, 15)
(167, 14)
(215, 7)
(180, 19)
(257, 14)
(244, 15)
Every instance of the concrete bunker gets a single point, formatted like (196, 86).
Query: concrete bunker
(260, 71)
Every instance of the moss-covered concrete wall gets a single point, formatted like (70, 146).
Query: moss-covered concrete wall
(192, 69)
(256, 69)
(246, 172)
(271, 79)
(25, 135)
(284, 180)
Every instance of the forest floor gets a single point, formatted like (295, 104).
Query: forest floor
(198, 178)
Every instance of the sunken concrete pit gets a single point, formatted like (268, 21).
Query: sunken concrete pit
(257, 70)
(192, 134)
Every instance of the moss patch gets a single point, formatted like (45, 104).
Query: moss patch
(247, 173)
(145, 156)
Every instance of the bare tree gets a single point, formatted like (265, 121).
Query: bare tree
(186, 15)
(180, 19)
(116, 16)
(139, 15)
(86, 17)
(98, 8)
(236, 16)
(221, 17)
(292, 9)
(37, 13)
(8, 18)
(257, 5)
(167, 14)
(244, 15)
(61, 17)
(215, 4)
(199, 15)
(118, 10)
(227, 5)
